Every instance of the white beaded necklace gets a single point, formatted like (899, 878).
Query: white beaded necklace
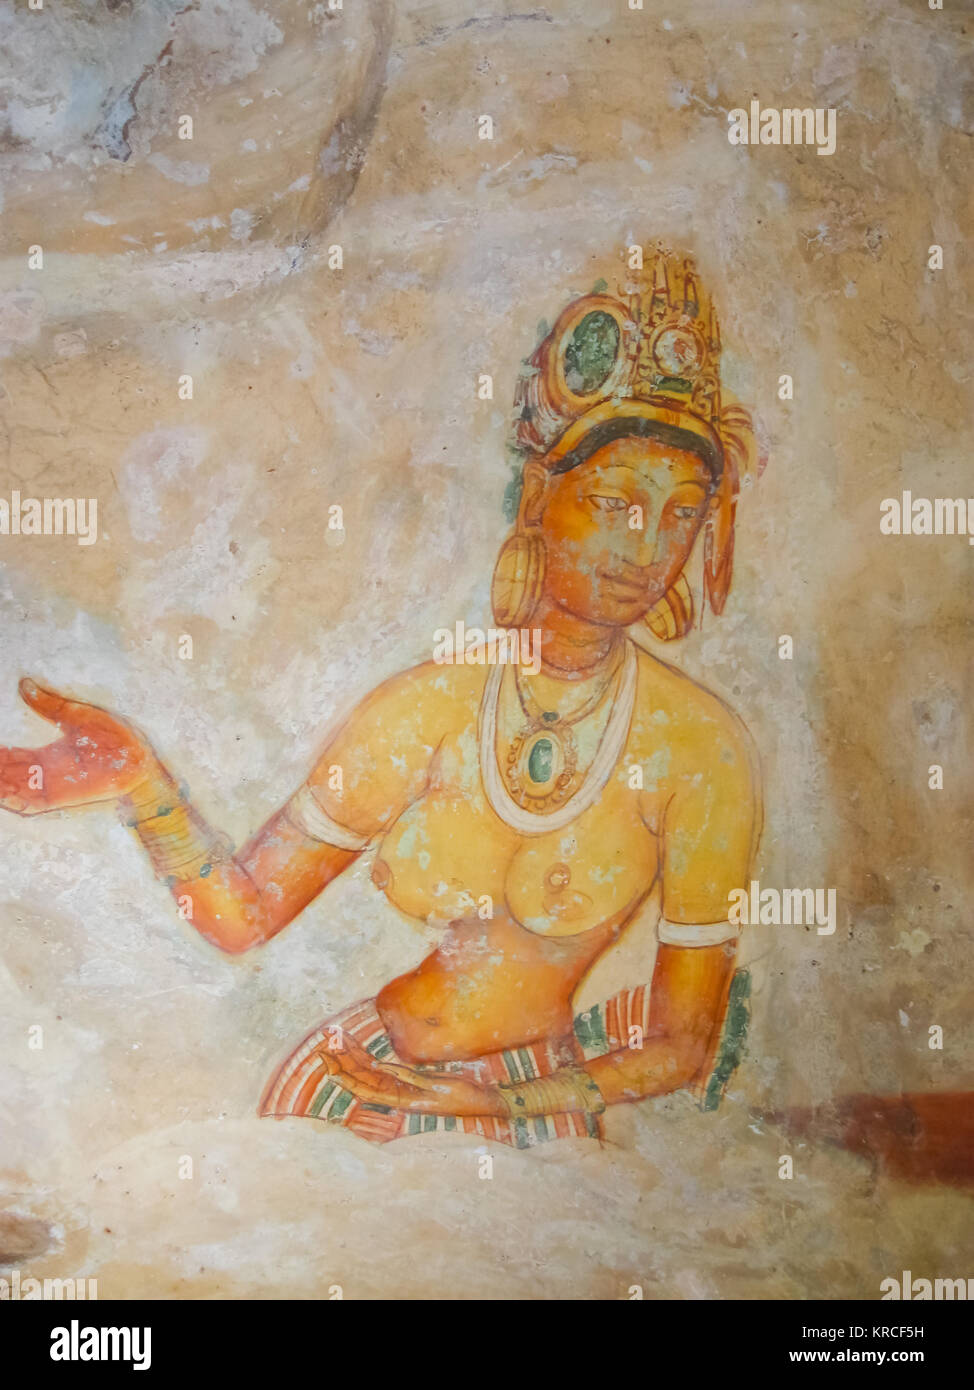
(600, 769)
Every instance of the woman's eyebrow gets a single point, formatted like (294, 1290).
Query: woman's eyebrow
(604, 470)
(666, 484)
(601, 476)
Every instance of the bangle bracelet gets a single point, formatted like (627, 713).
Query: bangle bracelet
(180, 845)
(567, 1091)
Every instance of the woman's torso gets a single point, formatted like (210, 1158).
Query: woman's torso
(525, 915)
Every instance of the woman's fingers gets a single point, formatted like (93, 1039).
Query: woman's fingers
(418, 1080)
(76, 714)
(47, 703)
(340, 1064)
(367, 1079)
(365, 1073)
(354, 1058)
(391, 1083)
(381, 1090)
(356, 1067)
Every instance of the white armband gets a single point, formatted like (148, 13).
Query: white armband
(304, 812)
(696, 933)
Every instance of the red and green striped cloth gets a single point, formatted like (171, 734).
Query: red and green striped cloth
(304, 1086)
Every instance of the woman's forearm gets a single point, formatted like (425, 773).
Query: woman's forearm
(687, 1001)
(688, 995)
(660, 1066)
(234, 899)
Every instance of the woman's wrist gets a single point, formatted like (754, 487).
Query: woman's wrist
(568, 1091)
(180, 845)
(154, 790)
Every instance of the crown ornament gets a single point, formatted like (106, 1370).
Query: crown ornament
(644, 360)
(653, 346)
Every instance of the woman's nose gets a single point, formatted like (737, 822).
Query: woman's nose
(643, 537)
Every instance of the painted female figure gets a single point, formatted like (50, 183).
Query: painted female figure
(531, 817)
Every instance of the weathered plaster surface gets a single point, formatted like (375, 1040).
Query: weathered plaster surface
(315, 386)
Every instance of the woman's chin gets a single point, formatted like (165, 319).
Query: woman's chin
(619, 612)
(613, 609)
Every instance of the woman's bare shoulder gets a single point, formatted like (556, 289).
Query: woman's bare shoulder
(672, 707)
(385, 743)
(429, 690)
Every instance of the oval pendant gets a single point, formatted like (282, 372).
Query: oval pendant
(541, 766)
(525, 809)
(541, 761)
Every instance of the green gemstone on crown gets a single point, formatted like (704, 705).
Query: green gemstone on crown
(591, 352)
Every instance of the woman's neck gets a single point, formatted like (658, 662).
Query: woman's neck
(571, 647)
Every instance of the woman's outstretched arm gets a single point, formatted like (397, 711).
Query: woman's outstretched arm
(240, 899)
(234, 899)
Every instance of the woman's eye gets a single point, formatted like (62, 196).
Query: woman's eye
(608, 504)
(685, 513)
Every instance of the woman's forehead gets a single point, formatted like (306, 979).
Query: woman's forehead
(651, 458)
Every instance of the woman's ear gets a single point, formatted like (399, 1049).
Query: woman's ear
(533, 493)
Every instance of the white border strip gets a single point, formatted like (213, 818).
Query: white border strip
(696, 933)
(304, 812)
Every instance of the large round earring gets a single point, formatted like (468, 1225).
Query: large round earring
(518, 578)
(672, 615)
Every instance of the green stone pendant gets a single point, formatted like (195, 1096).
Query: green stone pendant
(541, 761)
(541, 765)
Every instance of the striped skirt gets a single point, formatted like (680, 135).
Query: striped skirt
(304, 1086)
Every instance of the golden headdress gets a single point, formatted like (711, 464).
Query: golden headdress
(646, 361)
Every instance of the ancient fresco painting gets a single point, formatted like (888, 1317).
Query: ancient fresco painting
(475, 557)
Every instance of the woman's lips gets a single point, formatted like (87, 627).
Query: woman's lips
(628, 588)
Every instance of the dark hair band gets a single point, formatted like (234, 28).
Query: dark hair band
(638, 425)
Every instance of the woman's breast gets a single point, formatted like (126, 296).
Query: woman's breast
(596, 870)
(441, 861)
(448, 857)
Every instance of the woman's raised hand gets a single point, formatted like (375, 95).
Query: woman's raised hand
(99, 757)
